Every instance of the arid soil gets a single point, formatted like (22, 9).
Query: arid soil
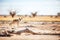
(32, 37)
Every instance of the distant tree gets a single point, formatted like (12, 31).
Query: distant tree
(56, 16)
(58, 13)
(26, 15)
(51, 16)
(5, 16)
(34, 14)
(13, 13)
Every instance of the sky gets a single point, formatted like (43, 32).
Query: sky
(26, 7)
